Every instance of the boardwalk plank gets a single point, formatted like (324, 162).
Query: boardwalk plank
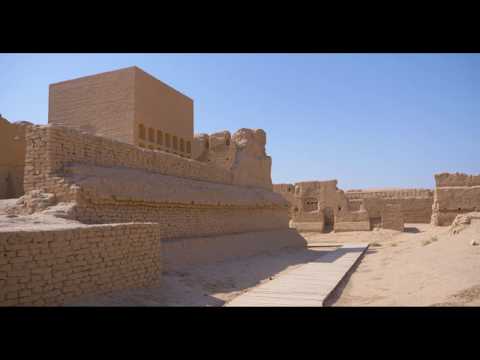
(307, 285)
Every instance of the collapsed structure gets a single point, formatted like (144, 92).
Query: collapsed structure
(321, 206)
(138, 196)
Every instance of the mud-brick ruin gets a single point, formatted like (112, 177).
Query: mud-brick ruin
(321, 206)
(133, 192)
(117, 188)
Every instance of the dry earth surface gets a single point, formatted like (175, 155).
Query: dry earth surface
(424, 266)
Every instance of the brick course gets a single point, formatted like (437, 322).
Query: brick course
(55, 265)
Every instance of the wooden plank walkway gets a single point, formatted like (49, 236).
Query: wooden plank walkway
(307, 285)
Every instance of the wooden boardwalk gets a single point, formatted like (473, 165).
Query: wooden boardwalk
(307, 285)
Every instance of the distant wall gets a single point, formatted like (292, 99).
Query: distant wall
(53, 266)
(454, 194)
(416, 204)
(392, 217)
(348, 220)
(12, 158)
(317, 201)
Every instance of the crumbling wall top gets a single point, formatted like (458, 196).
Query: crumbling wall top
(456, 179)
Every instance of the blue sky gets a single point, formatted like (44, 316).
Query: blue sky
(368, 120)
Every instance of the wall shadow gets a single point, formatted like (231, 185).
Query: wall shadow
(411, 230)
(215, 283)
(337, 292)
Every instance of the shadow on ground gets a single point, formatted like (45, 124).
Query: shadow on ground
(412, 230)
(335, 295)
(213, 284)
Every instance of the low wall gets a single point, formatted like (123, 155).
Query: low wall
(182, 207)
(305, 226)
(51, 148)
(347, 220)
(179, 253)
(392, 217)
(186, 221)
(55, 265)
(416, 204)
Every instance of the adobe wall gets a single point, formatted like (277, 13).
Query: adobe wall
(162, 108)
(12, 158)
(317, 201)
(51, 148)
(288, 193)
(316, 204)
(109, 182)
(454, 194)
(179, 253)
(243, 154)
(101, 104)
(183, 207)
(127, 105)
(416, 204)
(54, 265)
(352, 220)
(392, 217)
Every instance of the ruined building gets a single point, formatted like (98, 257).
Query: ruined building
(140, 194)
(127, 105)
(321, 206)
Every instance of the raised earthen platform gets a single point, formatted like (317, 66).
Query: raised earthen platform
(308, 285)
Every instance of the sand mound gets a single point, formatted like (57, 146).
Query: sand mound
(463, 221)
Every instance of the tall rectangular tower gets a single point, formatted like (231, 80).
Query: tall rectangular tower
(127, 105)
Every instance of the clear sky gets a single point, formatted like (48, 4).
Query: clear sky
(368, 120)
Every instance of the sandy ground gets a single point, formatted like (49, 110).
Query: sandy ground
(36, 221)
(421, 267)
